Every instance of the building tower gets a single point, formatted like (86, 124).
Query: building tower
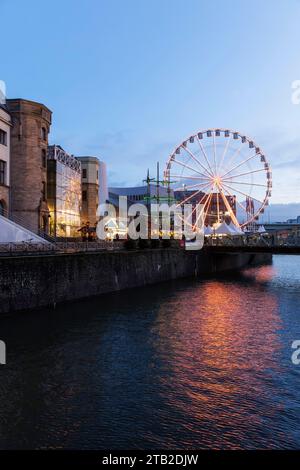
(29, 143)
(90, 176)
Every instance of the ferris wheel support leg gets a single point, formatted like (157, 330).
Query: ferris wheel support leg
(233, 217)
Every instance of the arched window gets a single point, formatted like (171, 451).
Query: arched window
(43, 191)
(45, 223)
(2, 172)
(44, 158)
(44, 133)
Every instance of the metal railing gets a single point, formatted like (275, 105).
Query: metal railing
(60, 247)
(25, 248)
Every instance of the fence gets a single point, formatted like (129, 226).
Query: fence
(25, 248)
(56, 247)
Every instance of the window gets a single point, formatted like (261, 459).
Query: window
(3, 137)
(84, 195)
(2, 172)
(84, 173)
(44, 133)
(44, 191)
(44, 158)
(2, 208)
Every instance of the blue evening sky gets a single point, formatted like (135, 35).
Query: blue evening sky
(127, 80)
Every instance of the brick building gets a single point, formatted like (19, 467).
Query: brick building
(215, 207)
(29, 143)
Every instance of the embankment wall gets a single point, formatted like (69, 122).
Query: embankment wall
(28, 282)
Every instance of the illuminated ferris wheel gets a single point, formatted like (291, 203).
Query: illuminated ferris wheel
(225, 171)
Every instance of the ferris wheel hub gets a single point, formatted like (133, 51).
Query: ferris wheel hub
(217, 180)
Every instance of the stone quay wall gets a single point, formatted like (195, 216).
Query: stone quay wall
(30, 282)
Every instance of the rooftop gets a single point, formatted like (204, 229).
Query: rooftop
(56, 152)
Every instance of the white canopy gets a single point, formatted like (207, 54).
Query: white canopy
(223, 229)
(235, 230)
(10, 232)
(261, 229)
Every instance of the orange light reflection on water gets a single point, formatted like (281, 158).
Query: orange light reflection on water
(221, 341)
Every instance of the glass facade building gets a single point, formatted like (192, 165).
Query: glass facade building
(63, 192)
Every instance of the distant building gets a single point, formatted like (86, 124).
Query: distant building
(28, 173)
(145, 195)
(294, 221)
(90, 189)
(273, 226)
(5, 127)
(283, 230)
(142, 194)
(63, 192)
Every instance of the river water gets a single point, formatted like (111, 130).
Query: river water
(185, 364)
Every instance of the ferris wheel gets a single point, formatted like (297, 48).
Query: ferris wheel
(225, 171)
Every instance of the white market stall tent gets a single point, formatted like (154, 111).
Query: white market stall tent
(223, 229)
(261, 229)
(235, 230)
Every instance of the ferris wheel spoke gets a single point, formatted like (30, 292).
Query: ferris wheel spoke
(224, 154)
(190, 197)
(204, 154)
(190, 177)
(199, 203)
(197, 161)
(238, 202)
(208, 201)
(241, 192)
(229, 208)
(240, 164)
(250, 184)
(184, 165)
(215, 152)
(197, 185)
(205, 195)
(207, 208)
(243, 174)
(236, 153)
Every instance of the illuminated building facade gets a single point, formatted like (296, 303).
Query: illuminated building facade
(63, 192)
